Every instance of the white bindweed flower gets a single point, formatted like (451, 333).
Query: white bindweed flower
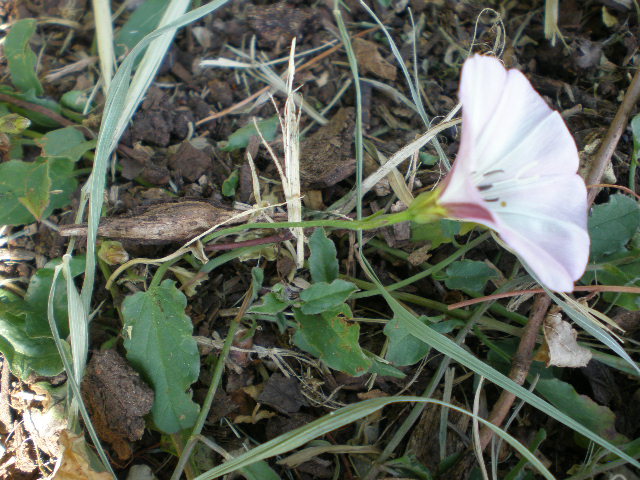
(515, 173)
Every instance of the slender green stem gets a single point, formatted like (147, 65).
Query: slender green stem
(440, 307)
(431, 270)
(215, 381)
(161, 271)
(353, 64)
(632, 172)
(368, 223)
(415, 413)
(496, 308)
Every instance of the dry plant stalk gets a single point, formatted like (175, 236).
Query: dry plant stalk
(290, 172)
(160, 224)
(291, 141)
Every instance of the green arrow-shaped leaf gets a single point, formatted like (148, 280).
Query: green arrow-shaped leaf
(160, 345)
(323, 296)
(332, 338)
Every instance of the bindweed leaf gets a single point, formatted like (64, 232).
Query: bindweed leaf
(627, 274)
(436, 233)
(25, 353)
(36, 118)
(324, 296)
(160, 345)
(32, 190)
(76, 100)
(230, 185)
(240, 138)
(24, 191)
(20, 57)
(142, 21)
(562, 395)
(323, 261)
(382, 368)
(468, 275)
(259, 471)
(404, 348)
(612, 225)
(271, 304)
(37, 297)
(332, 338)
(63, 183)
(65, 142)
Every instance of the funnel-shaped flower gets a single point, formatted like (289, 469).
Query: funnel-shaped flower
(516, 173)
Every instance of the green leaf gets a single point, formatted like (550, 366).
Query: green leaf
(404, 348)
(20, 57)
(141, 22)
(259, 471)
(436, 233)
(36, 188)
(75, 100)
(63, 183)
(410, 463)
(382, 368)
(332, 338)
(468, 275)
(13, 124)
(37, 297)
(65, 142)
(627, 274)
(271, 304)
(635, 129)
(230, 185)
(612, 225)
(597, 418)
(427, 159)
(160, 345)
(323, 261)
(324, 296)
(32, 190)
(240, 138)
(562, 395)
(25, 353)
(23, 188)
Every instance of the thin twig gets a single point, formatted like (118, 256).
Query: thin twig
(610, 142)
(619, 187)
(580, 288)
(519, 366)
(282, 236)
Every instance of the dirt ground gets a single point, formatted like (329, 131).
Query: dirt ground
(174, 157)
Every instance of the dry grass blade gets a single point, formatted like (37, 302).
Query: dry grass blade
(291, 142)
(104, 34)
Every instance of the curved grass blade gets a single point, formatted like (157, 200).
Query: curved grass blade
(345, 416)
(448, 347)
(122, 100)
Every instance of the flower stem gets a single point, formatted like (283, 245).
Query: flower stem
(368, 223)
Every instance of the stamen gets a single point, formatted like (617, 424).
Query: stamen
(493, 172)
(482, 188)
